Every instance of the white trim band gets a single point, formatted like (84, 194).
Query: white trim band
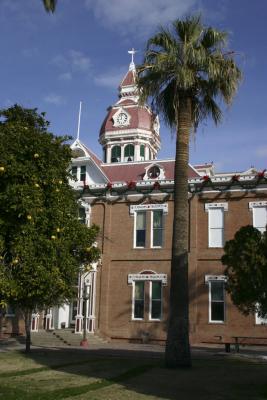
(208, 206)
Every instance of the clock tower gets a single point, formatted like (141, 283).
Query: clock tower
(130, 131)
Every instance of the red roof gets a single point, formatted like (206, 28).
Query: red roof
(135, 171)
(129, 79)
(94, 156)
(140, 118)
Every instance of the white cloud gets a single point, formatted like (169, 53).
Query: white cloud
(55, 99)
(111, 79)
(138, 16)
(79, 61)
(73, 60)
(66, 76)
(261, 151)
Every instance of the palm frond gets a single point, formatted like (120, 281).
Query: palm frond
(189, 60)
(50, 5)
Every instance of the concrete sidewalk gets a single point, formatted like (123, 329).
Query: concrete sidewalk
(149, 351)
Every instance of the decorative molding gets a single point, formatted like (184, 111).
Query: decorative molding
(209, 206)
(147, 277)
(253, 204)
(209, 278)
(145, 207)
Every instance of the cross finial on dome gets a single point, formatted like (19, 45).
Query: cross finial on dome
(132, 65)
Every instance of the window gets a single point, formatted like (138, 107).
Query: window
(216, 301)
(155, 300)
(139, 300)
(260, 320)
(260, 218)
(216, 223)
(157, 228)
(142, 152)
(82, 215)
(140, 230)
(74, 172)
(151, 216)
(116, 154)
(83, 173)
(154, 172)
(10, 311)
(129, 152)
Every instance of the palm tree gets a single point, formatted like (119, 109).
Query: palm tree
(186, 69)
(50, 5)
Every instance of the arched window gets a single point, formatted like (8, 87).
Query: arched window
(116, 154)
(142, 152)
(129, 152)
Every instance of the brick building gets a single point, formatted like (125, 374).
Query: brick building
(130, 196)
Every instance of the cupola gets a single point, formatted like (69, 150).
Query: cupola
(130, 131)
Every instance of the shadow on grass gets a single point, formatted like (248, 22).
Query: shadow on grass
(64, 373)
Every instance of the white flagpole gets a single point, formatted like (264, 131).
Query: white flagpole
(79, 121)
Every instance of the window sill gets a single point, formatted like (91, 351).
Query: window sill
(217, 322)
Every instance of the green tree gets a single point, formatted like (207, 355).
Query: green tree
(246, 269)
(42, 242)
(50, 5)
(185, 70)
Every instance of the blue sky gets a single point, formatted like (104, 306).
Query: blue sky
(80, 53)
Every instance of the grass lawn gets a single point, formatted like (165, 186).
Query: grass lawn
(72, 374)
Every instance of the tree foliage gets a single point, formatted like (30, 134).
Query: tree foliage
(187, 71)
(42, 242)
(246, 269)
(50, 5)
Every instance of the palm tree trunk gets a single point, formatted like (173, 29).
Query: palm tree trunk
(177, 352)
(28, 317)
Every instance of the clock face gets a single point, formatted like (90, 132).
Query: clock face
(122, 118)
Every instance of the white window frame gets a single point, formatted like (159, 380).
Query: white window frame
(152, 229)
(150, 302)
(133, 301)
(135, 230)
(134, 209)
(210, 280)
(253, 206)
(214, 206)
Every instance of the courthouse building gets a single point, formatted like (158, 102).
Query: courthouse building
(129, 195)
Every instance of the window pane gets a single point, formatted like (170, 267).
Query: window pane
(217, 311)
(74, 172)
(83, 173)
(216, 217)
(217, 291)
(140, 238)
(156, 300)
(156, 309)
(216, 237)
(157, 219)
(142, 150)
(116, 154)
(129, 150)
(157, 228)
(139, 294)
(260, 218)
(141, 220)
(82, 215)
(139, 290)
(157, 237)
(156, 290)
(217, 301)
(140, 234)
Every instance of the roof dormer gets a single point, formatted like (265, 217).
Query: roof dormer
(154, 172)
